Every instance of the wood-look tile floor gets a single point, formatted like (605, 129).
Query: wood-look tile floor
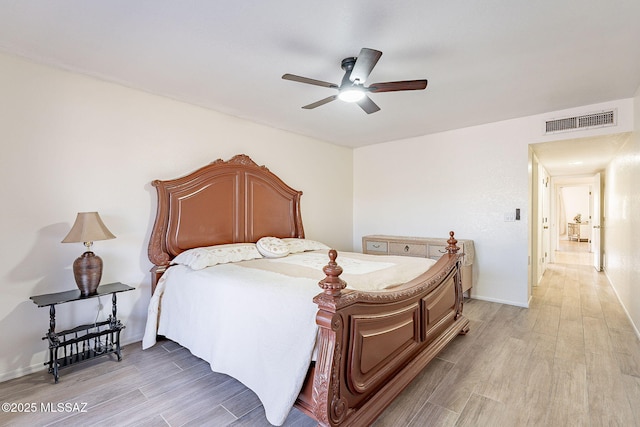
(572, 358)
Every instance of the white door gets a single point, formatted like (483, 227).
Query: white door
(596, 217)
(545, 234)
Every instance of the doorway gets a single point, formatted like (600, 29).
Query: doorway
(574, 211)
(565, 160)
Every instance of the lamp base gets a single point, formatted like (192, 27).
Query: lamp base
(87, 270)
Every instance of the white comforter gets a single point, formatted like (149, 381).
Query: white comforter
(255, 325)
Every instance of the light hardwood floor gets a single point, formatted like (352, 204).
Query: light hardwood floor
(572, 358)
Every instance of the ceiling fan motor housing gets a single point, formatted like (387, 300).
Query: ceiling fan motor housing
(347, 66)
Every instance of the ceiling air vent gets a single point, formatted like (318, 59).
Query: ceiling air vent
(587, 121)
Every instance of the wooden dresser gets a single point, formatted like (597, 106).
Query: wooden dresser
(426, 247)
(579, 231)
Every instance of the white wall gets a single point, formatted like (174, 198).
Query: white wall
(622, 222)
(576, 201)
(72, 143)
(464, 180)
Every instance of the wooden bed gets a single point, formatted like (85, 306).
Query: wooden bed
(370, 344)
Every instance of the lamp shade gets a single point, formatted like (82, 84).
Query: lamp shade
(88, 228)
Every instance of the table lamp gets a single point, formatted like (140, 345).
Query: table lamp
(87, 269)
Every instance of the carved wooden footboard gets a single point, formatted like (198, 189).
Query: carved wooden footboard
(373, 344)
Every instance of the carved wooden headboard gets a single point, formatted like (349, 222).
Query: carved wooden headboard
(224, 202)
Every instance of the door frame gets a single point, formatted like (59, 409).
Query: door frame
(566, 181)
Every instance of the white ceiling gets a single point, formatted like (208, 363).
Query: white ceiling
(485, 60)
(584, 156)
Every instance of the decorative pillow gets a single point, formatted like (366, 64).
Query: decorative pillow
(303, 245)
(199, 258)
(272, 247)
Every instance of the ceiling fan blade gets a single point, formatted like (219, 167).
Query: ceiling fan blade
(368, 105)
(396, 86)
(307, 80)
(367, 59)
(321, 102)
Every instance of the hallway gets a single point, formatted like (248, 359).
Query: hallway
(579, 306)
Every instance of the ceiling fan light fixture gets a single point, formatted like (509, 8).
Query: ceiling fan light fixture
(351, 94)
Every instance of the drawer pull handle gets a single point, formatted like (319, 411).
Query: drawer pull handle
(406, 248)
(376, 245)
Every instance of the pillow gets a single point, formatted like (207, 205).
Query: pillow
(303, 245)
(199, 258)
(272, 247)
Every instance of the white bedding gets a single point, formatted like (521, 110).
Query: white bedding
(221, 315)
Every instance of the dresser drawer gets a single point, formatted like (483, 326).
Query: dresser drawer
(376, 246)
(436, 251)
(411, 249)
(434, 248)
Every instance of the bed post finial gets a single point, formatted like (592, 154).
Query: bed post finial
(452, 248)
(332, 284)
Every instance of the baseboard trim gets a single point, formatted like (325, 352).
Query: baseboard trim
(615, 291)
(501, 301)
(26, 370)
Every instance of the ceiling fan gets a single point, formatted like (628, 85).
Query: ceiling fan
(352, 88)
